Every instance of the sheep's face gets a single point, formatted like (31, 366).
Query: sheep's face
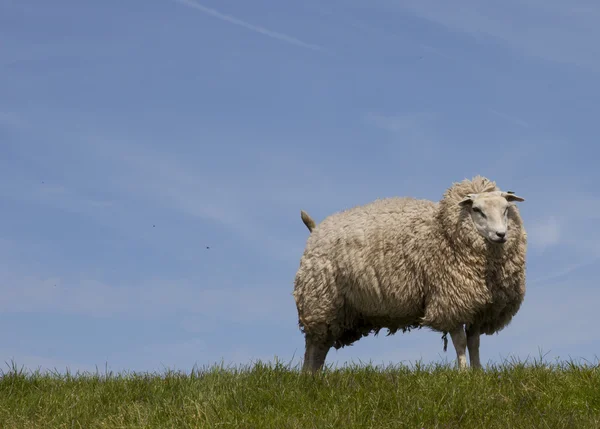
(489, 212)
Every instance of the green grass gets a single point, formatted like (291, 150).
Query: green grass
(512, 395)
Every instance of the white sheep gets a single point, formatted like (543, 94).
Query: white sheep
(456, 266)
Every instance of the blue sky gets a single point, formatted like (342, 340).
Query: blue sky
(134, 135)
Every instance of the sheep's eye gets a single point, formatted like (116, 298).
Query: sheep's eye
(478, 211)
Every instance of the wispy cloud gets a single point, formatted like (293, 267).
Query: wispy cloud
(550, 30)
(414, 129)
(52, 194)
(545, 233)
(566, 227)
(566, 270)
(535, 326)
(238, 207)
(186, 187)
(25, 293)
(342, 18)
(257, 29)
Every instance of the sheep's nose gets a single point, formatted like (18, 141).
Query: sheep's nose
(501, 234)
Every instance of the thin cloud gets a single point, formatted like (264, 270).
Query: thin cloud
(412, 129)
(257, 29)
(545, 233)
(552, 31)
(567, 270)
(32, 293)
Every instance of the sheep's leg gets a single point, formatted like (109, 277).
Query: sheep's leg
(459, 339)
(473, 334)
(315, 354)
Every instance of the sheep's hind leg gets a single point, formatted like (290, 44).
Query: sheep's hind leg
(315, 354)
(459, 339)
(473, 334)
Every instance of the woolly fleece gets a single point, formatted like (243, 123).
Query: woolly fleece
(402, 263)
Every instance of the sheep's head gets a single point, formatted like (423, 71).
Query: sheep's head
(489, 212)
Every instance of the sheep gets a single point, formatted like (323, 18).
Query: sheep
(455, 266)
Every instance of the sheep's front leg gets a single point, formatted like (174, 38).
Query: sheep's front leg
(473, 334)
(459, 339)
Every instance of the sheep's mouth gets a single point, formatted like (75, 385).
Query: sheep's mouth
(499, 240)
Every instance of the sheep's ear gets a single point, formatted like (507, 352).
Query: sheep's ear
(467, 200)
(510, 196)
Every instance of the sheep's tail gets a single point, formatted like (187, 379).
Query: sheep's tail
(310, 224)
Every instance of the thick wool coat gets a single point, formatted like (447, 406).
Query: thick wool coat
(402, 263)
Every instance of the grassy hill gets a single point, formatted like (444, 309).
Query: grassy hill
(512, 395)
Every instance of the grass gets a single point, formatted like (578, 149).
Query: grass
(511, 395)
